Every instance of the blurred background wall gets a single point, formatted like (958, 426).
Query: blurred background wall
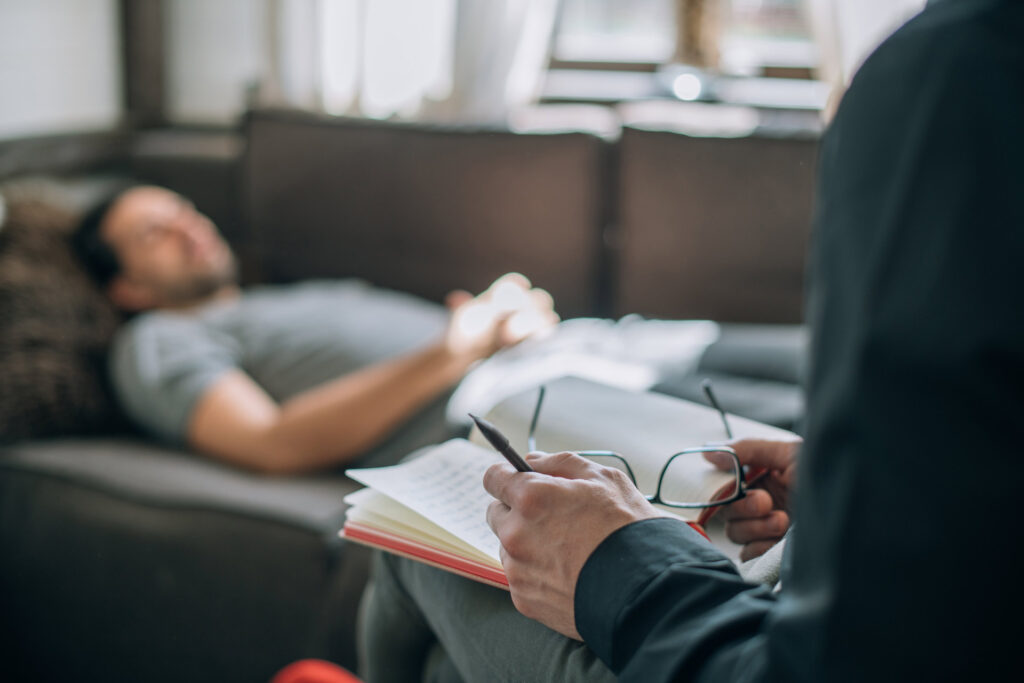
(60, 66)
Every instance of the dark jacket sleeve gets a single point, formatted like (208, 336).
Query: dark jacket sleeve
(905, 552)
(655, 599)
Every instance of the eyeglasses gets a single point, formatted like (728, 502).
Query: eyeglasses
(678, 468)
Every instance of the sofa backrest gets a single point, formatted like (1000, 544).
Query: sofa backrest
(713, 228)
(426, 209)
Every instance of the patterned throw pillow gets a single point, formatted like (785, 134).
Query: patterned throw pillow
(55, 326)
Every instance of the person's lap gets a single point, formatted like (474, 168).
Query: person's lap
(419, 620)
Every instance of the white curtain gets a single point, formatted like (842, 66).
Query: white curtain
(500, 56)
(438, 60)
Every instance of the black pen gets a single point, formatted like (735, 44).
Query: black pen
(501, 444)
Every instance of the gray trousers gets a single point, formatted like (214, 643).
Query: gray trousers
(418, 623)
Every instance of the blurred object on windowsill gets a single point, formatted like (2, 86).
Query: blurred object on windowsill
(716, 120)
(695, 119)
(563, 118)
(698, 34)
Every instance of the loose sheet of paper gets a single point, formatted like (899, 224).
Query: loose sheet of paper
(445, 485)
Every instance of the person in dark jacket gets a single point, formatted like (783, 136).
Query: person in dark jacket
(902, 555)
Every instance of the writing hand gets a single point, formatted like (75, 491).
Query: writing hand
(761, 518)
(549, 522)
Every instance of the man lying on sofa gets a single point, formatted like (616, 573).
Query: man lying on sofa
(278, 379)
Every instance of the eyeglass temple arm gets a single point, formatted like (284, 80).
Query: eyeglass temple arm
(531, 441)
(706, 386)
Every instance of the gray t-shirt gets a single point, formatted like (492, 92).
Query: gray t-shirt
(287, 338)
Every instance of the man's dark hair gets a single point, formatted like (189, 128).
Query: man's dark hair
(95, 253)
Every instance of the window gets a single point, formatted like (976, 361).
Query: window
(755, 35)
(615, 31)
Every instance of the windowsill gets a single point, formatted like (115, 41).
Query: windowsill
(613, 87)
(788, 108)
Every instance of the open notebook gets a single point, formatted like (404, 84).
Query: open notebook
(432, 507)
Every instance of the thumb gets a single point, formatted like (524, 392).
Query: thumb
(772, 455)
(456, 298)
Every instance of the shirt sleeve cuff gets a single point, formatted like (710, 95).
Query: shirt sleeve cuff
(622, 565)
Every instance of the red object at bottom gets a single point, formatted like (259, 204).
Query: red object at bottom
(314, 671)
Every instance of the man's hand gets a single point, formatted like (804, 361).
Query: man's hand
(549, 522)
(761, 518)
(509, 311)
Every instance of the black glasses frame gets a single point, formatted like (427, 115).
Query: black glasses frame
(741, 484)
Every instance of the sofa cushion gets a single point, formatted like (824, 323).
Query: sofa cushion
(426, 209)
(56, 325)
(713, 228)
(124, 561)
(756, 370)
(146, 473)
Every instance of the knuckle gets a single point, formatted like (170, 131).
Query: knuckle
(563, 457)
(494, 477)
(617, 477)
(514, 574)
(531, 500)
(493, 511)
(514, 541)
(523, 605)
(490, 474)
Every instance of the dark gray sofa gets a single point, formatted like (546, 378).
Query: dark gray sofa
(126, 560)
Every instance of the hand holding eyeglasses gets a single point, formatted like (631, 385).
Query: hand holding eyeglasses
(756, 513)
(761, 518)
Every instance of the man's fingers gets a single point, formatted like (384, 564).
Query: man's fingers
(456, 298)
(756, 549)
(566, 465)
(771, 526)
(514, 279)
(497, 512)
(720, 459)
(510, 292)
(497, 479)
(541, 299)
(757, 503)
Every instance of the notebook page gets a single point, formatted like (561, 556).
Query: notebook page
(445, 485)
(381, 512)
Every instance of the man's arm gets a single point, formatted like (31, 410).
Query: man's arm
(237, 421)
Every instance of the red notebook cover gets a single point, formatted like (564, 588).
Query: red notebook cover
(406, 547)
